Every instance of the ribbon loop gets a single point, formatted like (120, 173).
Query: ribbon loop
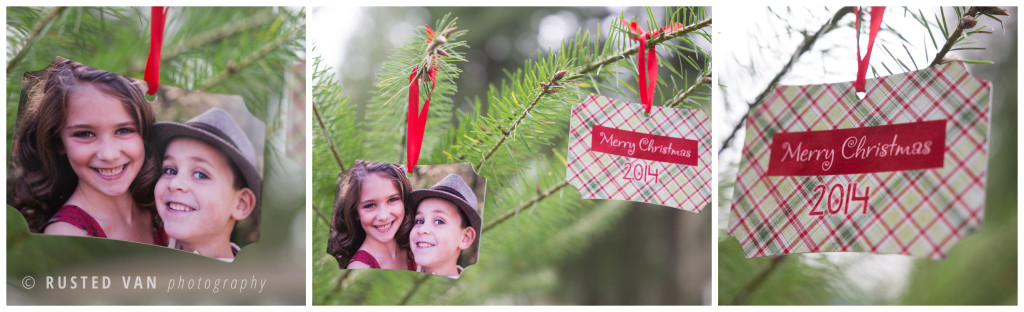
(417, 120)
(647, 65)
(862, 63)
(156, 43)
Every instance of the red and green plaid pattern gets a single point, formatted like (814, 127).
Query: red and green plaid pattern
(599, 175)
(913, 212)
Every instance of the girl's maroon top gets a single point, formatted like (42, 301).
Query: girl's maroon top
(79, 218)
(366, 257)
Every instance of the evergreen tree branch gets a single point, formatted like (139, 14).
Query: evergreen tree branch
(954, 37)
(33, 37)
(339, 284)
(661, 37)
(218, 34)
(545, 90)
(415, 287)
(801, 49)
(327, 136)
(524, 206)
(744, 295)
(249, 60)
(688, 92)
(321, 215)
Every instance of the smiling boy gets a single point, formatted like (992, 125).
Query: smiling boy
(447, 222)
(208, 182)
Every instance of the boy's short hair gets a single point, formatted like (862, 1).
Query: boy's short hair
(216, 128)
(454, 189)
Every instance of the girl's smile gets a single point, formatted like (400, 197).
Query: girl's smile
(111, 173)
(101, 141)
(380, 208)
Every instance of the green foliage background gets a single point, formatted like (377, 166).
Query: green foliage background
(541, 243)
(257, 53)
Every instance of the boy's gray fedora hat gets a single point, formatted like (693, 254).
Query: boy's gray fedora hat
(455, 190)
(217, 128)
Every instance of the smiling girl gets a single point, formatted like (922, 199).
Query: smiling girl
(367, 214)
(81, 162)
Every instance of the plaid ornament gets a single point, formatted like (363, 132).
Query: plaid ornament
(616, 151)
(882, 204)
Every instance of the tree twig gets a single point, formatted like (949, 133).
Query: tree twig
(589, 68)
(43, 25)
(801, 49)
(218, 34)
(679, 98)
(249, 60)
(321, 215)
(327, 136)
(650, 42)
(339, 284)
(953, 37)
(415, 287)
(523, 206)
(545, 90)
(744, 295)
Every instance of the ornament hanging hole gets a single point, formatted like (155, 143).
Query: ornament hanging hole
(861, 95)
(151, 98)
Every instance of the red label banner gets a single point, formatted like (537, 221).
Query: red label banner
(644, 146)
(897, 147)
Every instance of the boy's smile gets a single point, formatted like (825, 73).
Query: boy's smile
(438, 236)
(195, 195)
(173, 206)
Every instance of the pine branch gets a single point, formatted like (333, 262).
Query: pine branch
(661, 37)
(327, 136)
(393, 78)
(744, 294)
(524, 206)
(339, 284)
(801, 49)
(218, 34)
(249, 60)
(34, 36)
(545, 90)
(321, 215)
(415, 287)
(688, 92)
(963, 24)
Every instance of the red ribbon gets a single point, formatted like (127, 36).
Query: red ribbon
(417, 120)
(647, 65)
(156, 43)
(862, 64)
